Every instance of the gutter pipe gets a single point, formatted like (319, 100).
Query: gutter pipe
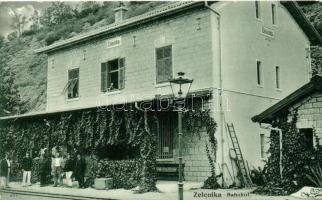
(220, 91)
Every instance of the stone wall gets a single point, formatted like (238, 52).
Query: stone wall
(189, 35)
(310, 113)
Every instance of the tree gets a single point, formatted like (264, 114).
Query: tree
(2, 41)
(35, 20)
(9, 98)
(18, 22)
(56, 14)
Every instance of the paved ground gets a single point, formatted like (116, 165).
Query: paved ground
(168, 191)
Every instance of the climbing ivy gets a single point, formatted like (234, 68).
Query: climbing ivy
(295, 160)
(198, 121)
(84, 131)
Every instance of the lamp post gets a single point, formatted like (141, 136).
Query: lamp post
(182, 85)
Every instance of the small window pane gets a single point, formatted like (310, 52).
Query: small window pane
(277, 76)
(259, 73)
(159, 53)
(114, 81)
(307, 138)
(262, 143)
(113, 65)
(73, 83)
(257, 9)
(273, 13)
(167, 52)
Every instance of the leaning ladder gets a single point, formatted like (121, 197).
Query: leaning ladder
(239, 156)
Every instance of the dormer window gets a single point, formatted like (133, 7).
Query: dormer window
(72, 86)
(113, 75)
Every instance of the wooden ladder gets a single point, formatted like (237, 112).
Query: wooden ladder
(239, 156)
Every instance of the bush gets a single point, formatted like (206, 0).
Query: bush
(258, 176)
(51, 38)
(315, 175)
(211, 183)
(125, 173)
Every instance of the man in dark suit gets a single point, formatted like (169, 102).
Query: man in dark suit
(80, 167)
(5, 169)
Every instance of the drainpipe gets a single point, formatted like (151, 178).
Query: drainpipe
(281, 146)
(308, 56)
(220, 91)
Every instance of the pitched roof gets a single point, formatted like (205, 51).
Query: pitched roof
(168, 10)
(207, 92)
(315, 85)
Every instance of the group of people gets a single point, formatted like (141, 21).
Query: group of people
(57, 166)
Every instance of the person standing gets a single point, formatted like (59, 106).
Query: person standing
(5, 166)
(44, 168)
(56, 166)
(69, 167)
(80, 167)
(26, 166)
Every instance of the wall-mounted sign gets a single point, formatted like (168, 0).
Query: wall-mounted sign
(267, 31)
(114, 42)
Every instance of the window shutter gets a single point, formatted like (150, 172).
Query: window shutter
(159, 70)
(168, 68)
(121, 73)
(163, 64)
(104, 77)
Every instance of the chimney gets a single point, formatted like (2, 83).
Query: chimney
(120, 12)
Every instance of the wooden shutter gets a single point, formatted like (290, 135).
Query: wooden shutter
(163, 64)
(121, 73)
(104, 76)
(159, 65)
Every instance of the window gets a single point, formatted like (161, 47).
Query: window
(308, 138)
(257, 9)
(163, 64)
(277, 77)
(113, 75)
(262, 143)
(72, 85)
(259, 73)
(273, 13)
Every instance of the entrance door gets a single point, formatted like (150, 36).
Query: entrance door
(167, 124)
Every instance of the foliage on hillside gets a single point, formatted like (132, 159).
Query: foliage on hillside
(25, 71)
(313, 12)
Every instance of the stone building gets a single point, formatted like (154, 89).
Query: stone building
(248, 55)
(307, 101)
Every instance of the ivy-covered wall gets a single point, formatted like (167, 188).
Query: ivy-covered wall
(89, 132)
(111, 135)
(297, 158)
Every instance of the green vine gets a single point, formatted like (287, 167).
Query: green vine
(295, 161)
(196, 122)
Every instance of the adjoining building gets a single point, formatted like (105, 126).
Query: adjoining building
(307, 102)
(247, 55)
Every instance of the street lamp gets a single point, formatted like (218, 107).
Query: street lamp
(180, 87)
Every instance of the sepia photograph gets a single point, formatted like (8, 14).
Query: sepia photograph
(160, 100)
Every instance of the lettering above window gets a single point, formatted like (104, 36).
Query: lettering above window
(114, 42)
(113, 75)
(267, 31)
(163, 64)
(72, 86)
